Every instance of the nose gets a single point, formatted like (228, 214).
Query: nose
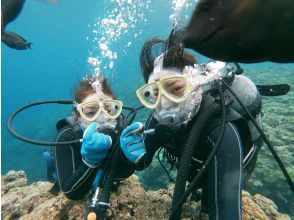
(165, 103)
(101, 117)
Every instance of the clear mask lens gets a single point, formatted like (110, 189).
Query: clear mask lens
(90, 110)
(149, 93)
(175, 88)
(94, 109)
(112, 108)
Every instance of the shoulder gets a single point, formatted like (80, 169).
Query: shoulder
(68, 129)
(65, 133)
(231, 130)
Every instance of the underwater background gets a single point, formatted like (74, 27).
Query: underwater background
(73, 39)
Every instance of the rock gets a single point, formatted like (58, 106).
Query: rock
(129, 201)
(13, 179)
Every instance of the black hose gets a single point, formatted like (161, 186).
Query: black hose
(274, 153)
(48, 143)
(111, 162)
(163, 167)
(108, 173)
(133, 113)
(36, 142)
(186, 158)
(206, 164)
(114, 149)
(106, 177)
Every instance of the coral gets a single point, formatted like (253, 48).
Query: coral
(129, 201)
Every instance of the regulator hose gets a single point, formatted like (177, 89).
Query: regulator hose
(178, 204)
(190, 144)
(37, 142)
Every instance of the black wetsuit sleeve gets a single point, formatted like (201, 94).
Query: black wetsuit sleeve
(151, 145)
(74, 176)
(224, 183)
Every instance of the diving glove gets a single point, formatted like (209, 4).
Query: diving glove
(131, 142)
(95, 146)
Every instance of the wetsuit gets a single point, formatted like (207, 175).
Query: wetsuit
(222, 184)
(74, 176)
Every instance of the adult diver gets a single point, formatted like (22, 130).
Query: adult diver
(191, 119)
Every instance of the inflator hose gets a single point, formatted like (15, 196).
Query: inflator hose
(186, 158)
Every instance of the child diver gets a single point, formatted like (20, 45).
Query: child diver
(97, 119)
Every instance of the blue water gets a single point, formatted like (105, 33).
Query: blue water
(57, 60)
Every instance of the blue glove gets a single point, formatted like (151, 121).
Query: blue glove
(131, 143)
(95, 146)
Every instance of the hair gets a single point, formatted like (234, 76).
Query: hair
(84, 88)
(174, 54)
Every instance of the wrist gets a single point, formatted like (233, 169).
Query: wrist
(90, 164)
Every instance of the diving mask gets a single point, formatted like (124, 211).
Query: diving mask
(174, 88)
(93, 109)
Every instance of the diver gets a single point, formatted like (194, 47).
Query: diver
(97, 119)
(180, 91)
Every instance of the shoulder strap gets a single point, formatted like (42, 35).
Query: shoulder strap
(70, 121)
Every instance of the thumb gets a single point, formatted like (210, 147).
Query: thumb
(133, 128)
(90, 130)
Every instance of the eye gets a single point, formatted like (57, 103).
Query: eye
(147, 94)
(90, 113)
(90, 110)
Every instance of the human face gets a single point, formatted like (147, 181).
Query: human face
(164, 85)
(100, 108)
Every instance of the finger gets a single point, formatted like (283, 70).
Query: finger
(105, 139)
(102, 143)
(90, 130)
(135, 146)
(92, 144)
(132, 139)
(138, 151)
(133, 128)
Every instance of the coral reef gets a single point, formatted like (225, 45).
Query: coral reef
(278, 120)
(129, 201)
